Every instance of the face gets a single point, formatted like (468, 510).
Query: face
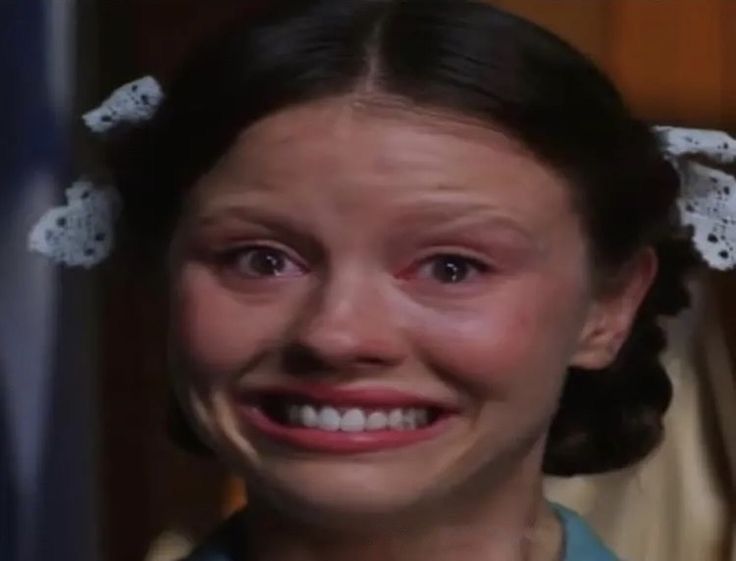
(374, 308)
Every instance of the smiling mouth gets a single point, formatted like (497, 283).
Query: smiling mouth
(336, 421)
(295, 412)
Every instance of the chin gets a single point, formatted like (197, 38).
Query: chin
(320, 483)
(345, 495)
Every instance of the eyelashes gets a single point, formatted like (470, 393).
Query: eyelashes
(262, 261)
(447, 269)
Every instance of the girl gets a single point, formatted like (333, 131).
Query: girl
(415, 254)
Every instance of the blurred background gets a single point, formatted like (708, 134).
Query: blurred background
(87, 470)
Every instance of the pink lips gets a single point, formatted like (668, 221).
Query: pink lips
(341, 442)
(359, 397)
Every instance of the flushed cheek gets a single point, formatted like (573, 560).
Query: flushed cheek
(215, 332)
(500, 345)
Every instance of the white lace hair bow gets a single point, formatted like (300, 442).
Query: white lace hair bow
(708, 199)
(81, 233)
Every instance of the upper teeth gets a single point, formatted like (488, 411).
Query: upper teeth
(356, 419)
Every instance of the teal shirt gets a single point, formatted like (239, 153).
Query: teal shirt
(581, 542)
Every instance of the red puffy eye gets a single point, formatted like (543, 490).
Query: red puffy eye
(449, 269)
(261, 261)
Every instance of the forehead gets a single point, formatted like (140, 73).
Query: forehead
(385, 152)
(395, 131)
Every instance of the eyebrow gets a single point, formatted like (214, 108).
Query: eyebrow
(453, 216)
(426, 213)
(444, 216)
(286, 225)
(241, 213)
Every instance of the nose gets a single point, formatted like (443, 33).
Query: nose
(347, 326)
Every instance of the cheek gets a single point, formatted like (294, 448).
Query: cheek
(213, 333)
(513, 340)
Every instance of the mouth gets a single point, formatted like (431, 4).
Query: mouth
(295, 412)
(347, 422)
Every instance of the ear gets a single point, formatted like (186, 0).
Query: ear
(613, 312)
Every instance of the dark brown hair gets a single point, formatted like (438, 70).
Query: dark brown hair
(480, 61)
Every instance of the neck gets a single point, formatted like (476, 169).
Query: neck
(511, 522)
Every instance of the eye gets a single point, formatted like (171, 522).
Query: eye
(451, 269)
(262, 262)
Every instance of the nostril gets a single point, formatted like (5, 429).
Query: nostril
(370, 361)
(299, 359)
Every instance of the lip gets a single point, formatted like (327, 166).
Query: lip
(339, 442)
(374, 397)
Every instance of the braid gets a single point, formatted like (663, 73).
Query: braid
(612, 418)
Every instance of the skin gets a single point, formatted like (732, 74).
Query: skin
(362, 201)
